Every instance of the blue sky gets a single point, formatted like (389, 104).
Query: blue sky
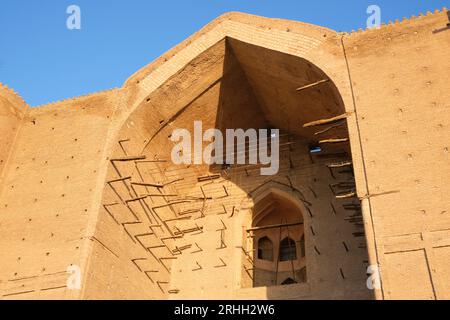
(44, 61)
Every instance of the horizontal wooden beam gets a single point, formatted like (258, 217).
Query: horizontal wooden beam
(119, 179)
(209, 178)
(275, 226)
(340, 165)
(312, 85)
(336, 125)
(333, 141)
(145, 184)
(326, 121)
(346, 196)
(130, 158)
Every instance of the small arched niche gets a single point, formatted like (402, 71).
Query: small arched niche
(278, 241)
(265, 249)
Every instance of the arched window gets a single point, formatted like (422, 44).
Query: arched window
(288, 281)
(302, 246)
(265, 249)
(288, 251)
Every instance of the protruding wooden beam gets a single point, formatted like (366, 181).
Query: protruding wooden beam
(135, 199)
(340, 165)
(119, 179)
(326, 121)
(346, 196)
(333, 141)
(145, 184)
(379, 194)
(336, 125)
(315, 84)
(130, 158)
(275, 226)
(209, 178)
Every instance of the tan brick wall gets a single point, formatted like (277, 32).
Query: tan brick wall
(400, 76)
(61, 202)
(47, 195)
(12, 111)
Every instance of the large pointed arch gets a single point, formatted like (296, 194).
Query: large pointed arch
(145, 196)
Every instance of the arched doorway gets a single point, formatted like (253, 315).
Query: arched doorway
(278, 235)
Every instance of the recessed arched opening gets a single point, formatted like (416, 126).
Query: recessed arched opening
(265, 249)
(205, 219)
(288, 250)
(279, 218)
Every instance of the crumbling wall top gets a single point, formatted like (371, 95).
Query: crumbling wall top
(403, 22)
(13, 98)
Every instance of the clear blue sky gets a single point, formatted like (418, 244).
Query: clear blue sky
(44, 61)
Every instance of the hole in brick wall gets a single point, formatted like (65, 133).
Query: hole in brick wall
(315, 149)
(288, 281)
